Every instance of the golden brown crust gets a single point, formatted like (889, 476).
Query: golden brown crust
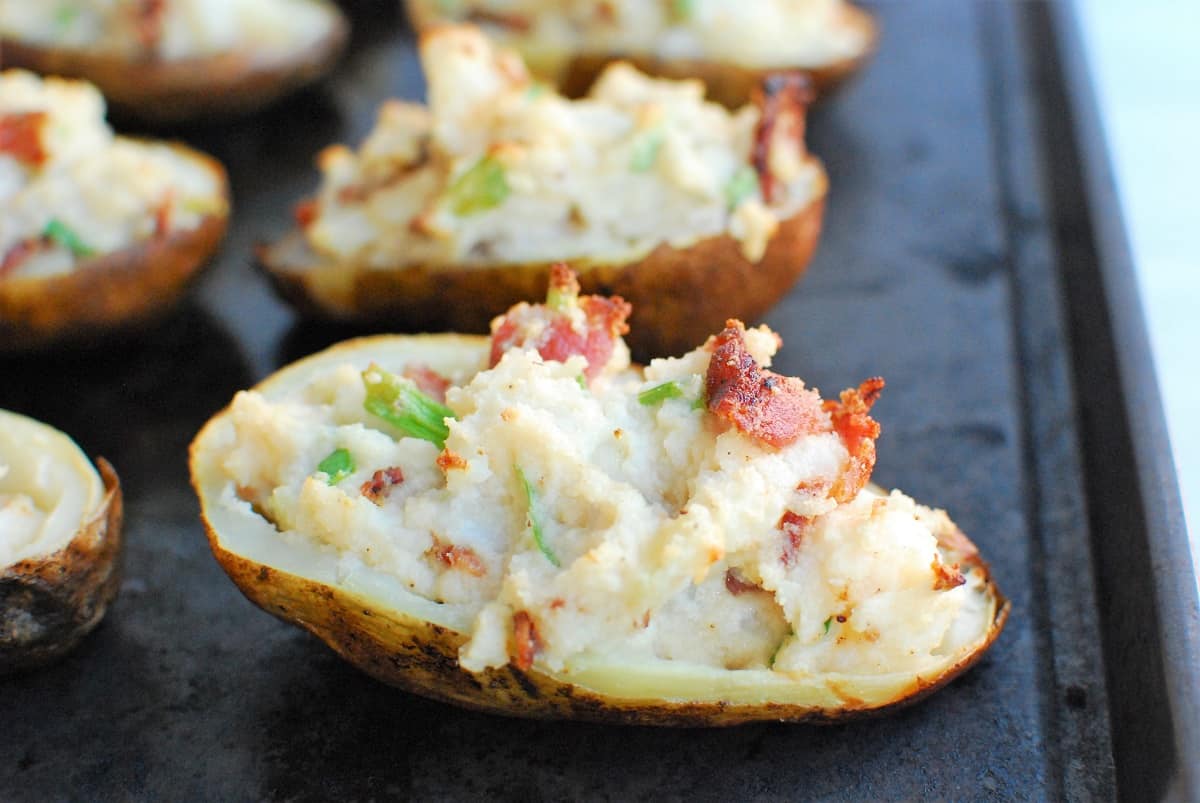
(113, 291)
(171, 91)
(679, 296)
(49, 603)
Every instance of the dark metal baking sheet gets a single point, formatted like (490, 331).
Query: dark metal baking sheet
(953, 263)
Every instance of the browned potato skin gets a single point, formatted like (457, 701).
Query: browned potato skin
(728, 84)
(112, 291)
(49, 603)
(422, 658)
(173, 91)
(679, 296)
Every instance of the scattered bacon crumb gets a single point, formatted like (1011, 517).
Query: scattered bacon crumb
(448, 460)
(429, 381)
(781, 100)
(147, 20)
(851, 420)
(21, 137)
(162, 214)
(513, 22)
(553, 333)
(946, 577)
(20, 252)
(794, 528)
(458, 557)
(381, 483)
(737, 585)
(645, 620)
(774, 409)
(305, 212)
(557, 603)
(528, 642)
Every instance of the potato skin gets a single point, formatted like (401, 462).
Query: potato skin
(49, 603)
(114, 291)
(679, 296)
(185, 89)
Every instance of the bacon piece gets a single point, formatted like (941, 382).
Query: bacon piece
(305, 212)
(20, 252)
(518, 23)
(528, 642)
(462, 558)
(556, 333)
(21, 137)
(794, 528)
(774, 409)
(429, 381)
(162, 214)
(781, 99)
(851, 420)
(737, 585)
(449, 460)
(381, 483)
(147, 21)
(946, 577)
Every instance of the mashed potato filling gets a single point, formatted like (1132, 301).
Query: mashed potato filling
(763, 34)
(168, 30)
(621, 516)
(71, 190)
(499, 169)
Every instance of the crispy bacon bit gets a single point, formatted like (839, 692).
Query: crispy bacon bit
(528, 642)
(781, 99)
(774, 409)
(20, 252)
(381, 483)
(448, 460)
(21, 137)
(851, 420)
(162, 214)
(462, 558)
(737, 585)
(557, 603)
(946, 577)
(429, 381)
(794, 528)
(552, 329)
(147, 21)
(305, 212)
(518, 23)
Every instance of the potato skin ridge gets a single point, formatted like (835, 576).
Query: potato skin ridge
(49, 603)
(679, 296)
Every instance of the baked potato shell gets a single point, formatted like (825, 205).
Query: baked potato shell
(49, 602)
(731, 85)
(375, 623)
(118, 290)
(162, 91)
(680, 295)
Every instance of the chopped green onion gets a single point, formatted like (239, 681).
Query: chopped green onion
(65, 17)
(338, 465)
(683, 9)
(65, 236)
(535, 90)
(827, 622)
(700, 404)
(778, 648)
(645, 151)
(743, 184)
(582, 381)
(660, 393)
(398, 401)
(531, 520)
(481, 188)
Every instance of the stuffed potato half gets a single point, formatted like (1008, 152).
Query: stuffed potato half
(727, 45)
(447, 215)
(60, 542)
(181, 59)
(522, 595)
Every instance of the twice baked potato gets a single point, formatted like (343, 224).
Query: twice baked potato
(98, 232)
(532, 526)
(60, 542)
(730, 46)
(172, 60)
(448, 215)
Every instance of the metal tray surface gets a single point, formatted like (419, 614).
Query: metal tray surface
(940, 268)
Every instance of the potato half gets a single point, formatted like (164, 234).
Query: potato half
(113, 291)
(731, 84)
(374, 621)
(168, 91)
(60, 542)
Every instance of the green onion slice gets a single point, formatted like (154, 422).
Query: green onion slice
(481, 188)
(65, 236)
(399, 402)
(531, 519)
(660, 393)
(338, 465)
(743, 185)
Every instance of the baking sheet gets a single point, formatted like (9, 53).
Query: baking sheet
(940, 268)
